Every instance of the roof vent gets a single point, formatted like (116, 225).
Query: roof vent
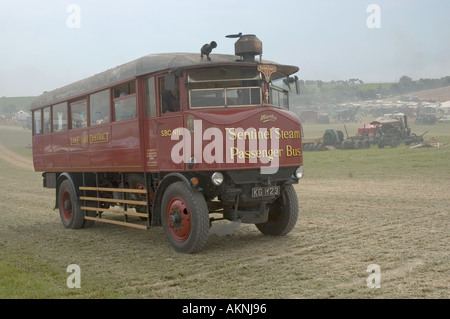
(247, 46)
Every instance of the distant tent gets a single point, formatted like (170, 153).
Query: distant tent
(21, 116)
(445, 105)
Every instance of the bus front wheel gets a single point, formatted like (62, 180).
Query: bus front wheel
(185, 218)
(283, 214)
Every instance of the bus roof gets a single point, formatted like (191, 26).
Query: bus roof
(147, 64)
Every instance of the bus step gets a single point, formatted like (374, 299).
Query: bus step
(115, 222)
(114, 200)
(115, 211)
(94, 206)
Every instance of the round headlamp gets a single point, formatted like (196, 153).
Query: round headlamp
(299, 172)
(217, 178)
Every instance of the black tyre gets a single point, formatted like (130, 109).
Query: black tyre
(347, 144)
(72, 216)
(283, 214)
(185, 218)
(394, 143)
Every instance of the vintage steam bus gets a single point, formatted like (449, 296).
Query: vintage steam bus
(174, 140)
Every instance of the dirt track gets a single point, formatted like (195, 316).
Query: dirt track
(15, 159)
(346, 223)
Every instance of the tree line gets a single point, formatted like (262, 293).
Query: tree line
(320, 92)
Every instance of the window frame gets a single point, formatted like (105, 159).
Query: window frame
(282, 95)
(91, 109)
(150, 100)
(225, 97)
(47, 128)
(161, 89)
(72, 104)
(131, 93)
(35, 118)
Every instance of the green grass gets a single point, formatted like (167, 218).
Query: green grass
(377, 164)
(27, 280)
(429, 163)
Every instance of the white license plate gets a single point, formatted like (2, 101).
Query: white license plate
(265, 191)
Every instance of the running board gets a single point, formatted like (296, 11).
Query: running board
(115, 211)
(114, 201)
(115, 222)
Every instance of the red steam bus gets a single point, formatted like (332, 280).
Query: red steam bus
(174, 140)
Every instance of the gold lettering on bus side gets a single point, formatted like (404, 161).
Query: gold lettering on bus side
(290, 134)
(289, 151)
(99, 138)
(84, 139)
(236, 153)
(253, 134)
(166, 133)
(293, 152)
(75, 141)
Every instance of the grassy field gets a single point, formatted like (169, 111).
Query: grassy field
(388, 207)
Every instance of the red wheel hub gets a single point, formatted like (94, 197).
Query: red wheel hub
(66, 205)
(178, 219)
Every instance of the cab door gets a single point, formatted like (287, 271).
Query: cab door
(164, 120)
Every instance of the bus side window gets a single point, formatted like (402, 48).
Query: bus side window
(150, 97)
(99, 107)
(78, 114)
(60, 117)
(37, 115)
(47, 123)
(170, 99)
(125, 101)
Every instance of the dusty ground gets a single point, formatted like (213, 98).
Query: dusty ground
(345, 225)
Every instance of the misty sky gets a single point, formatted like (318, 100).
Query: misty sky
(45, 46)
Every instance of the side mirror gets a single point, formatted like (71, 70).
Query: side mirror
(297, 85)
(290, 80)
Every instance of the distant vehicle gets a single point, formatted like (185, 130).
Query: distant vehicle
(445, 118)
(391, 129)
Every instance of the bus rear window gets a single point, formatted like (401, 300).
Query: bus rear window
(37, 122)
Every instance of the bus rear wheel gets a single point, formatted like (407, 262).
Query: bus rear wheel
(185, 218)
(283, 214)
(72, 216)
